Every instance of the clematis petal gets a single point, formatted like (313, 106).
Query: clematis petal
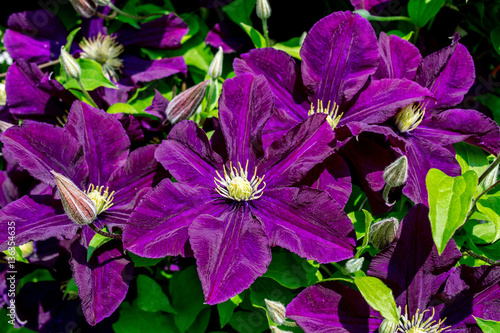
(339, 53)
(105, 142)
(225, 35)
(143, 70)
(231, 251)
(307, 222)
(34, 218)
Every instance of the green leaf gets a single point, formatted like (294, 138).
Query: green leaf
(143, 262)
(495, 39)
(251, 322)
(239, 11)
(257, 39)
(265, 288)
(36, 276)
(129, 8)
(193, 24)
(187, 297)
(132, 319)
(150, 296)
(70, 289)
(421, 11)
(488, 326)
(292, 47)
(449, 202)
(201, 323)
(92, 76)
(490, 206)
(227, 308)
(96, 242)
(379, 296)
(70, 38)
(128, 109)
(7, 323)
(471, 158)
(291, 271)
(360, 219)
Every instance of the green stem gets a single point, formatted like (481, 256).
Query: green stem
(86, 94)
(490, 168)
(265, 29)
(385, 194)
(480, 257)
(103, 233)
(473, 205)
(209, 96)
(326, 270)
(289, 323)
(388, 18)
(119, 11)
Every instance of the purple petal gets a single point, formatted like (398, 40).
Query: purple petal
(225, 35)
(231, 251)
(448, 73)
(414, 284)
(35, 36)
(159, 225)
(368, 4)
(332, 308)
(34, 218)
(143, 70)
(307, 222)
(105, 142)
(165, 32)
(399, 58)
(187, 155)
(8, 190)
(244, 107)
(40, 148)
(103, 281)
(338, 54)
(290, 158)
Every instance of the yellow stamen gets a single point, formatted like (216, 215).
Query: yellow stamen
(418, 325)
(409, 117)
(236, 186)
(102, 200)
(333, 117)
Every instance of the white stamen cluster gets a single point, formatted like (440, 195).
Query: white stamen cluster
(418, 325)
(3, 94)
(333, 117)
(102, 200)
(409, 117)
(105, 50)
(236, 186)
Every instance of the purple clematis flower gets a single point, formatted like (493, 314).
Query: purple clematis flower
(234, 200)
(412, 268)
(92, 150)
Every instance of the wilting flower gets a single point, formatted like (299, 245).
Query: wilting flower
(233, 199)
(91, 152)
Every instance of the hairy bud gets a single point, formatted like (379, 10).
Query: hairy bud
(103, 3)
(185, 104)
(396, 173)
(276, 311)
(353, 265)
(71, 67)
(388, 326)
(77, 205)
(275, 329)
(215, 69)
(86, 8)
(263, 9)
(383, 232)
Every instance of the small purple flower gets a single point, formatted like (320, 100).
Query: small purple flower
(234, 200)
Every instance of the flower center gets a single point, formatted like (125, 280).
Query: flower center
(3, 94)
(235, 184)
(418, 325)
(333, 117)
(409, 117)
(103, 200)
(105, 50)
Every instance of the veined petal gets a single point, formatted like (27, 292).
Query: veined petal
(231, 251)
(143, 70)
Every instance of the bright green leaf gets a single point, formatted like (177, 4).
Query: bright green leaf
(490, 206)
(36, 276)
(290, 270)
(92, 76)
(70, 289)
(421, 11)
(70, 38)
(239, 11)
(292, 47)
(360, 219)
(471, 158)
(257, 39)
(128, 109)
(143, 262)
(150, 296)
(227, 308)
(379, 296)
(449, 202)
(96, 242)
(132, 320)
(488, 326)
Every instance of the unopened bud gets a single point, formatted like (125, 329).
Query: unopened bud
(274, 329)
(77, 205)
(215, 69)
(263, 9)
(353, 265)
(103, 3)
(276, 310)
(186, 103)
(491, 178)
(388, 326)
(396, 173)
(70, 65)
(27, 249)
(383, 232)
(86, 8)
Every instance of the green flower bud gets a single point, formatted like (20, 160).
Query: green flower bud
(276, 311)
(353, 265)
(388, 326)
(86, 8)
(396, 173)
(215, 69)
(383, 232)
(71, 67)
(186, 103)
(263, 9)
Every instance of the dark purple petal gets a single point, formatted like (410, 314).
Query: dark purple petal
(8, 190)
(158, 106)
(35, 36)
(34, 218)
(143, 70)
(105, 142)
(226, 35)
(231, 251)
(399, 58)
(159, 225)
(332, 308)
(307, 222)
(448, 73)
(290, 158)
(338, 54)
(40, 148)
(165, 32)
(283, 76)
(245, 105)
(103, 281)
(187, 155)
(368, 4)
(411, 266)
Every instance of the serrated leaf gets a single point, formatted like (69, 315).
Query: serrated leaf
(490, 206)
(257, 39)
(150, 296)
(290, 270)
(379, 296)
(92, 76)
(449, 202)
(227, 308)
(488, 326)
(128, 109)
(95, 243)
(421, 11)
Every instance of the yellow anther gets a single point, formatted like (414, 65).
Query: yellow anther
(333, 117)
(409, 117)
(105, 50)
(103, 199)
(236, 186)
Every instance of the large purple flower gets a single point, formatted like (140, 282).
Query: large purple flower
(412, 268)
(92, 150)
(233, 199)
